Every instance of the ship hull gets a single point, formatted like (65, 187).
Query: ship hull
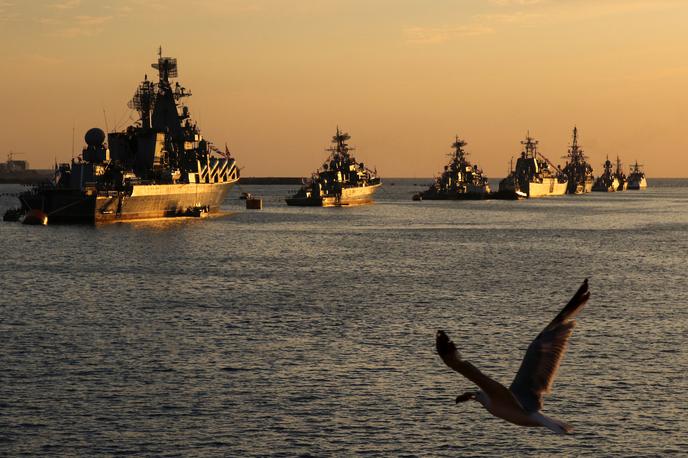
(471, 193)
(360, 195)
(548, 187)
(601, 186)
(71, 206)
(637, 184)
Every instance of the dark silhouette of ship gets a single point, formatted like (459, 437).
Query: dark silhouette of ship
(340, 181)
(608, 181)
(159, 167)
(620, 176)
(533, 176)
(637, 179)
(577, 169)
(18, 171)
(460, 179)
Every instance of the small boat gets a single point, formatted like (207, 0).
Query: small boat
(637, 180)
(460, 180)
(341, 181)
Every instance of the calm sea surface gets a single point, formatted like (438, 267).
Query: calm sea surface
(306, 331)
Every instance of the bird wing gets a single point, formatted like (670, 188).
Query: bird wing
(447, 351)
(539, 367)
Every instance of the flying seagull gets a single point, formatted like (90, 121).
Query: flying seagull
(521, 402)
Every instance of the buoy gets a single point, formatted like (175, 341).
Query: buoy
(36, 218)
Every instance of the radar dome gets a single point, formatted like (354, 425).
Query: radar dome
(94, 137)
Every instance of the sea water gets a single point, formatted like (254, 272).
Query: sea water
(309, 331)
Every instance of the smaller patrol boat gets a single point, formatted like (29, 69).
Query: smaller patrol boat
(460, 179)
(534, 175)
(637, 180)
(341, 181)
(607, 182)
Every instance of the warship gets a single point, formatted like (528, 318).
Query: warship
(159, 167)
(577, 169)
(340, 181)
(620, 176)
(636, 179)
(460, 179)
(607, 182)
(18, 172)
(533, 176)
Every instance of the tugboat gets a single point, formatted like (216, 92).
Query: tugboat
(460, 180)
(341, 181)
(607, 182)
(620, 176)
(577, 169)
(159, 167)
(534, 175)
(637, 180)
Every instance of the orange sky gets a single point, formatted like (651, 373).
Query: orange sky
(273, 78)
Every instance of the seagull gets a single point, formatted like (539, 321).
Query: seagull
(522, 401)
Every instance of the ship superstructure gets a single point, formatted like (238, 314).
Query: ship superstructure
(161, 166)
(341, 180)
(460, 179)
(577, 169)
(607, 182)
(534, 175)
(637, 179)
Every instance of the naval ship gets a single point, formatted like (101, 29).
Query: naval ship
(607, 182)
(159, 167)
(18, 172)
(636, 179)
(340, 181)
(620, 176)
(577, 169)
(460, 180)
(533, 176)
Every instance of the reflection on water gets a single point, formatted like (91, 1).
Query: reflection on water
(311, 331)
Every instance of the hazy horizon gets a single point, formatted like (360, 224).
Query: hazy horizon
(273, 79)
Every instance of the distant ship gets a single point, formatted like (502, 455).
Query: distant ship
(534, 175)
(159, 167)
(340, 181)
(607, 182)
(620, 176)
(577, 169)
(637, 180)
(460, 179)
(18, 172)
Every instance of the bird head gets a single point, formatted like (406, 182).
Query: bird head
(466, 397)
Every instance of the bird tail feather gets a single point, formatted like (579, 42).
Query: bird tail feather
(553, 424)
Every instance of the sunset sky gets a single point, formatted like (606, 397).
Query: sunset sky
(273, 78)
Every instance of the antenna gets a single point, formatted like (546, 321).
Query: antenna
(106, 123)
(73, 129)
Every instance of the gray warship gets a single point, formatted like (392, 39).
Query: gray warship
(533, 176)
(607, 182)
(159, 167)
(341, 181)
(18, 172)
(577, 169)
(460, 180)
(636, 179)
(620, 175)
